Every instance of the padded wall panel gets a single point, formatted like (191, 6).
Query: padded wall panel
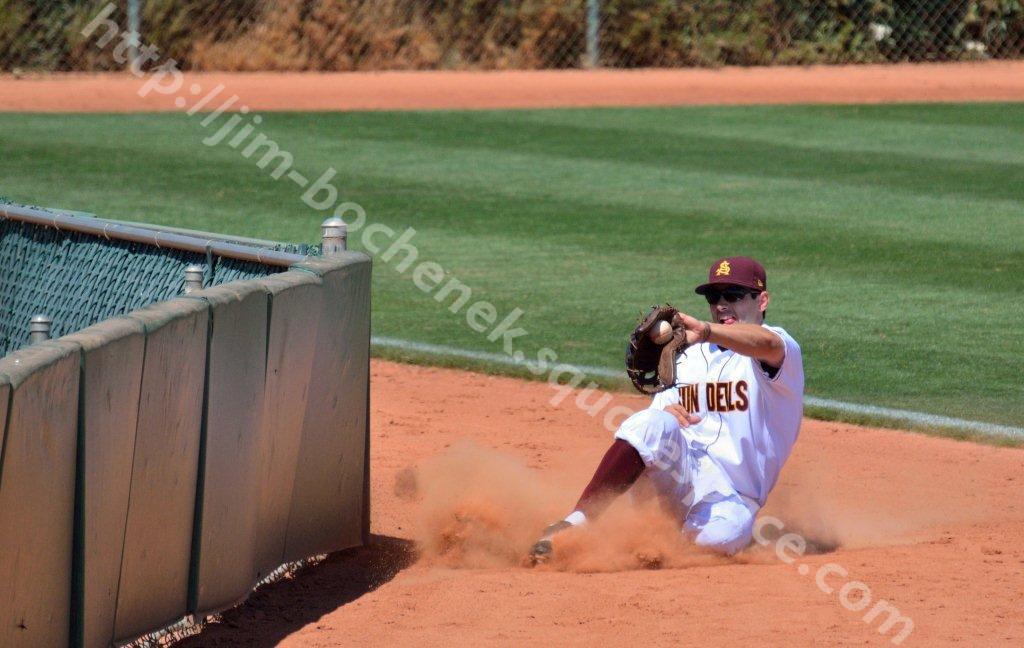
(37, 495)
(112, 355)
(153, 588)
(5, 397)
(226, 568)
(295, 305)
(327, 511)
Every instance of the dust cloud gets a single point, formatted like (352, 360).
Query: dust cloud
(480, 508)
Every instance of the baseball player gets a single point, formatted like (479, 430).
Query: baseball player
(713, 444)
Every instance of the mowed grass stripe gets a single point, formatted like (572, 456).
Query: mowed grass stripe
(895, 259)
(626, 183)
(661, 192)
(695, 151)
(873, 333)
(814, 128)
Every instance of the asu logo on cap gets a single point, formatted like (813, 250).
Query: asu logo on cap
(735, 271)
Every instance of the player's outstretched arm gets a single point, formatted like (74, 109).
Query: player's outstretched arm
(751, 340)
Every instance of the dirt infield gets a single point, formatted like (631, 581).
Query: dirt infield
(930, 525)
(993, 81)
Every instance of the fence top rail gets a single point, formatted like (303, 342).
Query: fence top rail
(149, 235)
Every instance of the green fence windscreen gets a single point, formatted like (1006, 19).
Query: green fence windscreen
(79, 279)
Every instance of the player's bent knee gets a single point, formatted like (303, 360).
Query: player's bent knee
(725, 535)
(652, 432)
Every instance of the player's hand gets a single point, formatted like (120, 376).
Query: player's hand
(696, 330)
(685, 418)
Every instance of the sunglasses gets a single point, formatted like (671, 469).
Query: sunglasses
(731, 295)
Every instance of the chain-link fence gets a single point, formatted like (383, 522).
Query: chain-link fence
(504, 34)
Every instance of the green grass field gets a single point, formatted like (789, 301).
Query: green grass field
(893, 235)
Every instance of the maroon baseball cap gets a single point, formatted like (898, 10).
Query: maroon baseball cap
(735, 271)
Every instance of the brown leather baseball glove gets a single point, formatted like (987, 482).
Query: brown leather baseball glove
(652, 366)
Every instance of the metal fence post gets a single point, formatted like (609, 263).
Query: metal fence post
(335, 236)
(39, 329)
(593, 46)
(193, 278)
(134, 30)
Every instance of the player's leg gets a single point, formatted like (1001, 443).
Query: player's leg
(650, 438)
(619, 468)
(725, 526)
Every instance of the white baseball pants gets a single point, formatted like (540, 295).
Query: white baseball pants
(711, 511)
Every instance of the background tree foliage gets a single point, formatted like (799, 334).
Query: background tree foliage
(500, 34)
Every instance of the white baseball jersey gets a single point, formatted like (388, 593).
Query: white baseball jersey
(750, 419)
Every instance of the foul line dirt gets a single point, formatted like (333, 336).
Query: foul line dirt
(990, 81)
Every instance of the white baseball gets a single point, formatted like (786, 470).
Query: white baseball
(661, 333)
